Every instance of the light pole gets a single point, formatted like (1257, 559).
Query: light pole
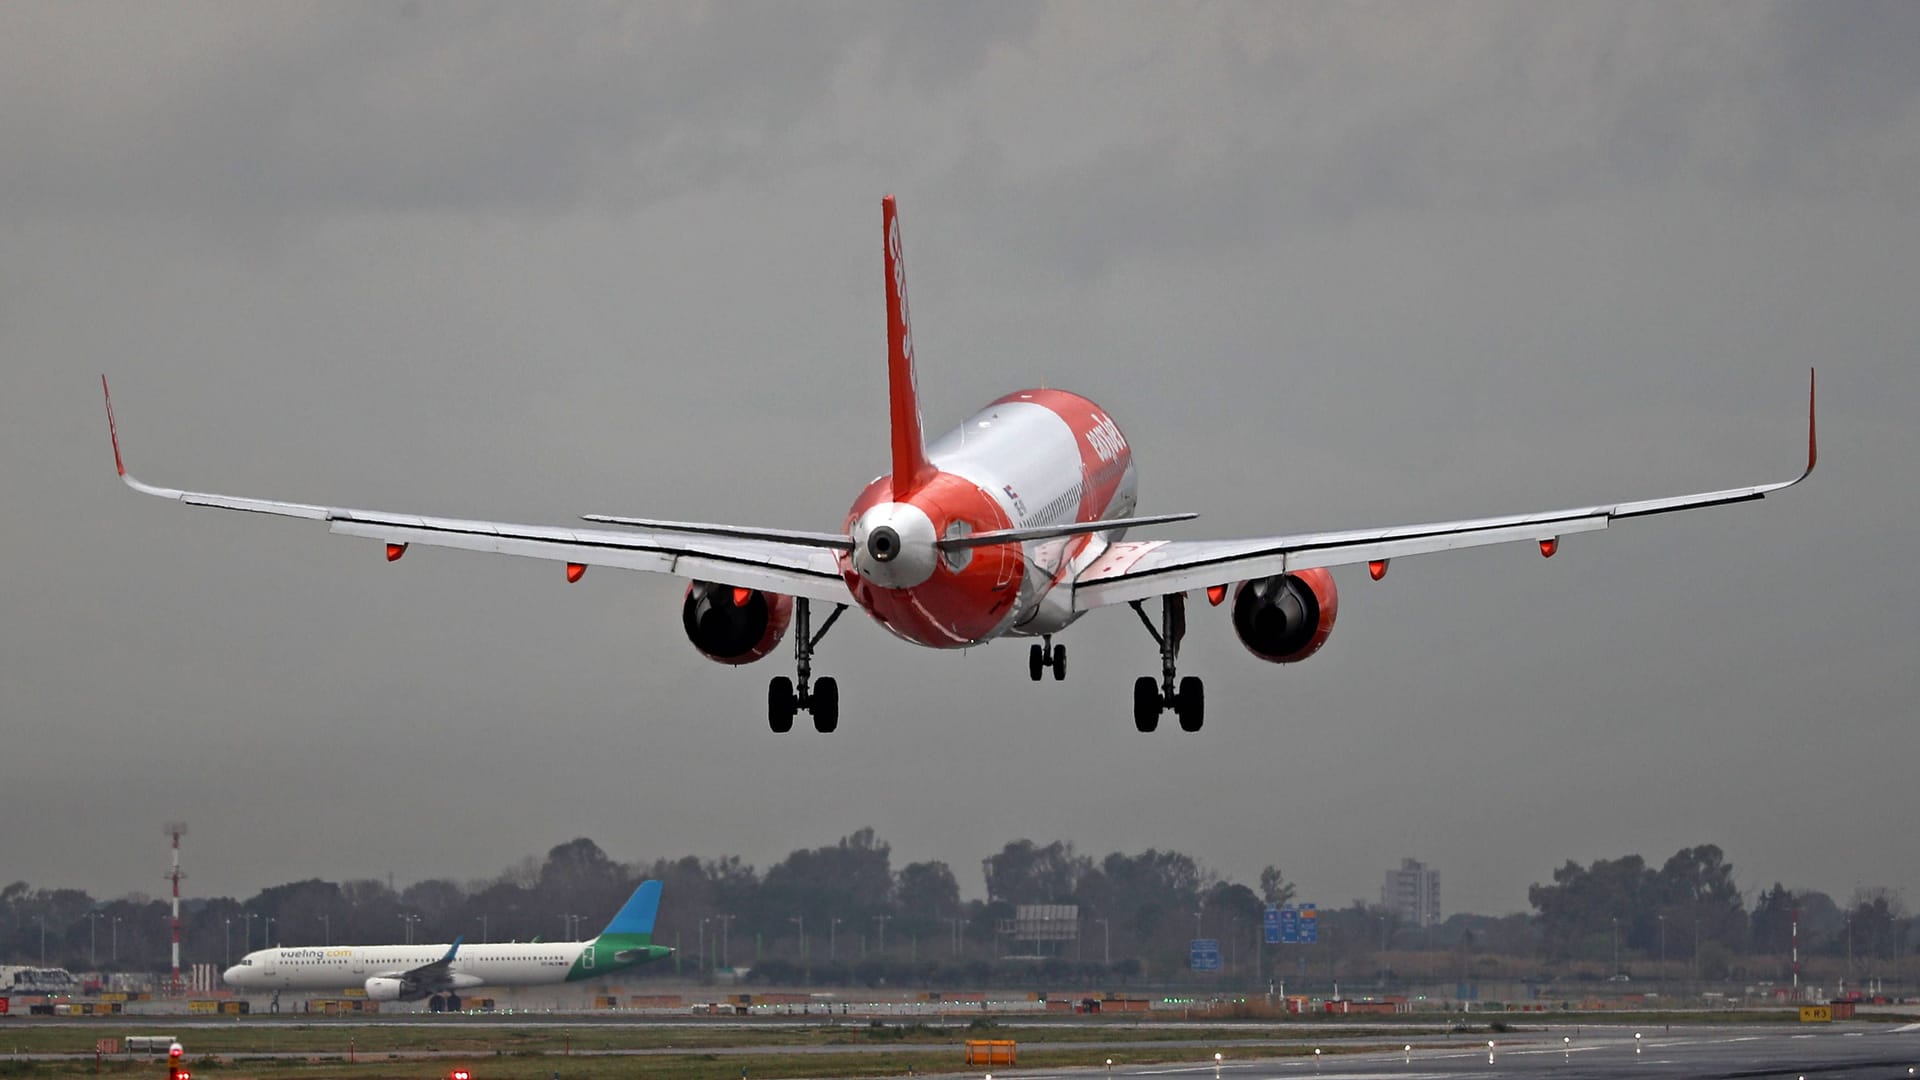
(833, 926)
(43, 940)
(250, 916)
(1696, 950)
(1615, 919)
(701, 940)
(956, 935)
(726, 940)
(410, 920)
(1106, 941)
(326, 929)
(801, 922)
(226, 926)
(882, 938)
(482, 919)
(93, 954)
(1663, 943)
(115, 931)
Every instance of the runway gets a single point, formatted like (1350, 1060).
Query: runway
(1720, 1052)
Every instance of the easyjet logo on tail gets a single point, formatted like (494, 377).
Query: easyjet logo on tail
(1105, 438)
(900, 288)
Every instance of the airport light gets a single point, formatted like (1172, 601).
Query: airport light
(832, 926)
(410, 920)
(115, 930)
(93, 922)
(326, 925)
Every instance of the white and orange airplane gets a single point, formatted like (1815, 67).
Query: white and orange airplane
(1011, 525)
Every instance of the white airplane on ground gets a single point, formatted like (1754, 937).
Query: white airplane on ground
(1012, 524)
(412, 972)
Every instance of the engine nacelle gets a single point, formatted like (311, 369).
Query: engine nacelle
(383, 989)
(733, 625)
(1286, 618)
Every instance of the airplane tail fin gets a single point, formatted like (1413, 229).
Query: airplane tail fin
(635, 919)
(910, 467)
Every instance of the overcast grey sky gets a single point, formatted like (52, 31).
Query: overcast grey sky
(1327, 265)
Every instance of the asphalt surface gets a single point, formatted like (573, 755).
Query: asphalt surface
(1837, 1052)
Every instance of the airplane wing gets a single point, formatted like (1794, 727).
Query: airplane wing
(798, 564)
(1138, 570)
(429, 978)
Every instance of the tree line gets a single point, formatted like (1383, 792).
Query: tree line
(843, 914)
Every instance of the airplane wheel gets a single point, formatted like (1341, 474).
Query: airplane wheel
(1036, 659)
(1191, 704)
(826, 705)
(1059, 662)
(1146, 703)
(436, 1003)
(453, 1002)
(780, 704)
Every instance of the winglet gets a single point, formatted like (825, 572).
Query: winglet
(453, 948)
(637, 914)
(1813, 444)
(910, 467)
(112, 432)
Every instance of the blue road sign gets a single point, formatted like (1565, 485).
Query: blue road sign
(1273, 925)
(1309, 924)
(1203, 954)
(1289, 925)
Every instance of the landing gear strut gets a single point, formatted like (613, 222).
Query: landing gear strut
(1047, 655)
(1186, 697)
(785, 698)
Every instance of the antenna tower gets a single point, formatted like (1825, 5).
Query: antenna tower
(174, 830)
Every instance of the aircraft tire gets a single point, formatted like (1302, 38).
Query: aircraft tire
(1146, 703)
(1059, 662)
(1191, 705)
(780, 704)
(453, 1002)
(826, 705)
(1036, 659)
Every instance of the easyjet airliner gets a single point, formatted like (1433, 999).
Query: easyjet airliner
(1012, 524)
(412, 972)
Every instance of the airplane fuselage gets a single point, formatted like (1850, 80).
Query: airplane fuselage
(338, 967)
(1031, 458)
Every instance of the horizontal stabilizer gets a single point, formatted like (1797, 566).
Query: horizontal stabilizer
(836, 541)
(1047, 532)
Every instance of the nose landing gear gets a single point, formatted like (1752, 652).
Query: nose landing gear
(785, 696)
(1187, 697)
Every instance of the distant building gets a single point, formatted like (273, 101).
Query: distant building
(1413, 893)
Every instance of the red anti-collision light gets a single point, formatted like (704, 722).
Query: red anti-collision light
(575, 571)
(1215, 594)
(1377, 569)
(741, 596)
(1549, 546)
(394, 551)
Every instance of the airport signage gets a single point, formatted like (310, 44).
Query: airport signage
(1290, 925)
(1203, 954)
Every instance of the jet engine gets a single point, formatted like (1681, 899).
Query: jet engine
(732, 625)
(1286, 618)
(384, 989)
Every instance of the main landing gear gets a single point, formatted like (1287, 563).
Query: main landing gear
(1152, 697)
(784, 698)
(1047, 655)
